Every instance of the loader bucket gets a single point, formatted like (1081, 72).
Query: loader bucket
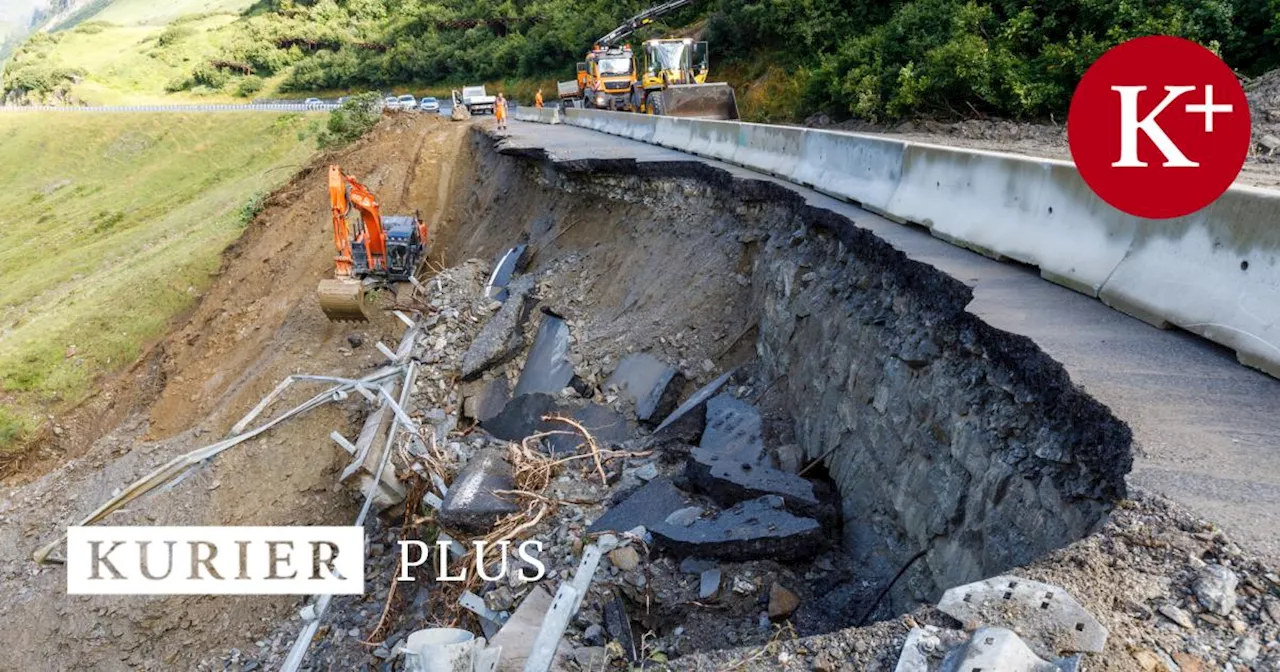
(342, 299)
(700, 101)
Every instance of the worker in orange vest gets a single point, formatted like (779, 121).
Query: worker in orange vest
(500, 111)
(537, 99)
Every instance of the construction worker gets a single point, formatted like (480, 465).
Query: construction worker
(500, 111)
(537, 99)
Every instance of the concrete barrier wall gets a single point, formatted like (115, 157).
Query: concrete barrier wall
(1215, 273)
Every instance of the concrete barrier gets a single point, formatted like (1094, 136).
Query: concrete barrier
(1215, 273)
(546, 115)
(1035, 211)
(860, 168)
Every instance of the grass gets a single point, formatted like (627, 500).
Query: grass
(152, 13)
(124, 64)
(110, 225)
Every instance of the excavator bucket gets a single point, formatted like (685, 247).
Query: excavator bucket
(701, 101)
(342, 299)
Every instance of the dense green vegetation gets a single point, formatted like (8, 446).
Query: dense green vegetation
(874, 59)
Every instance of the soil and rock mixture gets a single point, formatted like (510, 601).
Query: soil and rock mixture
(657, 270)
(1049, 140)
(257, 324)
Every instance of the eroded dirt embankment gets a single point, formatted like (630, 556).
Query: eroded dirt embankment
(257, 324)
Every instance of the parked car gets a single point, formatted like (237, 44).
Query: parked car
(429, 104)
(408, 102)
(391, 103)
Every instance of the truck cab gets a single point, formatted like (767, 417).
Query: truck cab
(607, 77)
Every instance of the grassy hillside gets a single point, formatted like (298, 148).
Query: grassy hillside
(109, 226)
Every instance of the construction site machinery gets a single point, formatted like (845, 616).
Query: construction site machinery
(673, 82)
(372, 250)
(605, 80)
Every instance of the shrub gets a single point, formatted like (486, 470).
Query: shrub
(356, 116)
(249, 86)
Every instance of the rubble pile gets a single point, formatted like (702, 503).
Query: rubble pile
(675, 530)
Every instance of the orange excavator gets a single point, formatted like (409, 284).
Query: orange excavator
(372, 250)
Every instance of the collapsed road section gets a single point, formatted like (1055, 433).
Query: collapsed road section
(716, 426)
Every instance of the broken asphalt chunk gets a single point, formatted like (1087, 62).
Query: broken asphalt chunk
(730, 481)
(759, 528)
(650, 384)
(734, 430)
(606, 426)
(500, 338)
(685, 419)
(484, 400)
(547, 369)
(1048, 617)
(471, 504)
(508, 264)
(618, 625)
(648, 506)
(522, 417)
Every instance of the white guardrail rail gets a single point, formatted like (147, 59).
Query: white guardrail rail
(248, 107)
(1214, 273)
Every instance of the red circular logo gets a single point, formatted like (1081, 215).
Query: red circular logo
(1159, 127)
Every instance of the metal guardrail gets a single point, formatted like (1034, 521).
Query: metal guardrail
(251, 107)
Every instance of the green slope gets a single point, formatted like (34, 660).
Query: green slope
(109, 226)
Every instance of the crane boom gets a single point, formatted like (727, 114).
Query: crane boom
(640, 20)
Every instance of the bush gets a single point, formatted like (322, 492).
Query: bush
(356, 116)
(249, 86)
(174, 34)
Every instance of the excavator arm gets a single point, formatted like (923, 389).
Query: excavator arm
(342, 296)
(640, 20)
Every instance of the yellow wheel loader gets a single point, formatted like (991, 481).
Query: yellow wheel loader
(673, 82)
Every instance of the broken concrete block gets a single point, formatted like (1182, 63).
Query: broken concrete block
(789, 458)
(648, 506)
(1049, 618)
(687, 418)
(734, 430)
(547, 370)
(759, 528)
(989, 649)
(500, 338)
(606, 426)
(650, 384)
(729, 481)
(471, 504)
(507, 265)
(1270, 142)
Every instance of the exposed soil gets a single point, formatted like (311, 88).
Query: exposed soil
(257, 324)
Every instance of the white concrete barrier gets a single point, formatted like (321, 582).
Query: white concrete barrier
(861, 168)
(1215, 273)
(1036, 211)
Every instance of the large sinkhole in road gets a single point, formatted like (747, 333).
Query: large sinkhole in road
(946, 451)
